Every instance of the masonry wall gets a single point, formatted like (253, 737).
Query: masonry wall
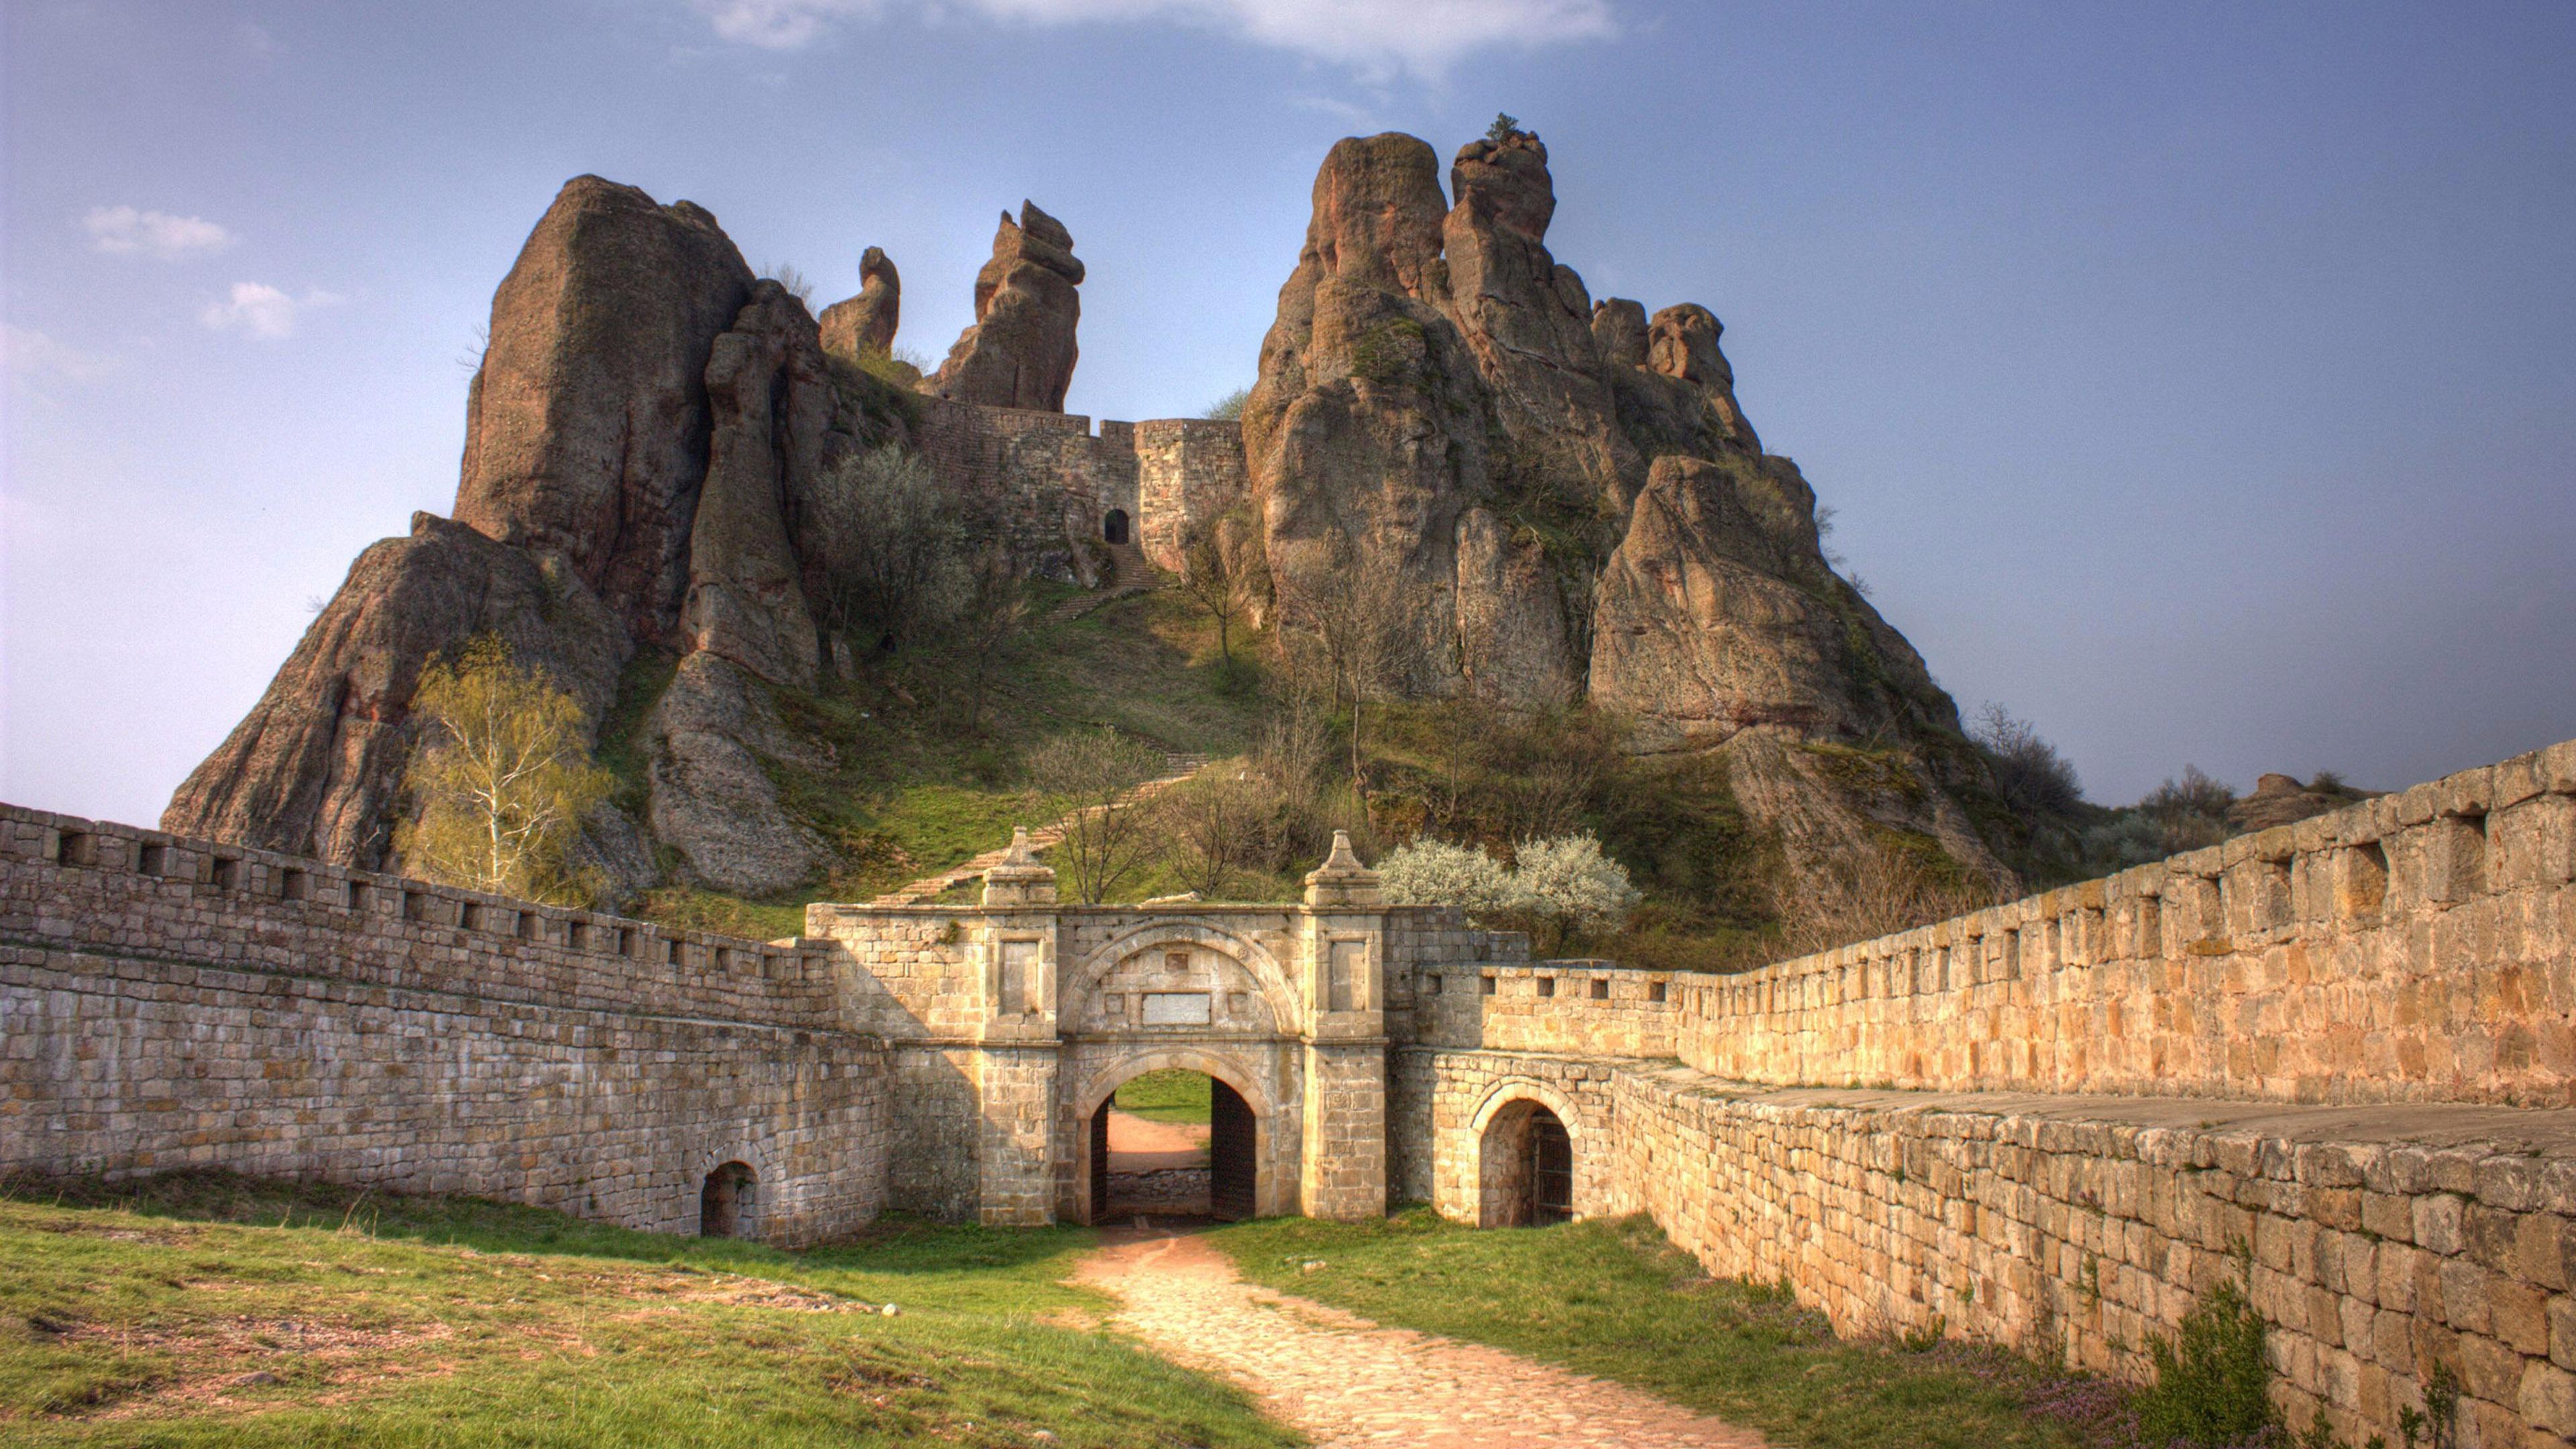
(1188, 471)
(169, 1003)
(1596, 1008)
(2418, 947)
(2377, 1242)
(1053, 481)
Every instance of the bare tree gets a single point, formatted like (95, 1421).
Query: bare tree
(1872, 890)
(1210, 577)
(1357, 615)
(1214, 822)
(894, 543)
(1091, 775)
(995, 609)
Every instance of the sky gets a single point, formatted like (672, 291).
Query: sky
(2196, 382)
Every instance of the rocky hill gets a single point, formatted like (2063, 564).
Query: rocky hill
(1538, 500)
(1571, 504)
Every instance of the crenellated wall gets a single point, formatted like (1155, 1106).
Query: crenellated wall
(2416, 947)
(168, 1003)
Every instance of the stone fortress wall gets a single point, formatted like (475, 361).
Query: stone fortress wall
(169, 1003)
(1057, 481)
(2334, 1060)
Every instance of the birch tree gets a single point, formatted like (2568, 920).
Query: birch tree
(501, 778)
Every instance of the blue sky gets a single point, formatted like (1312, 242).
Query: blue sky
(2196, 381)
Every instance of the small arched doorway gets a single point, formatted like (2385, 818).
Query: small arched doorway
(1114, 526)
(1525, 1168)
(726, 1204)
(1173, 1143)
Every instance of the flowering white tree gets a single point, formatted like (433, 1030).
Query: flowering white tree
(1569, 877)
(1436, 873)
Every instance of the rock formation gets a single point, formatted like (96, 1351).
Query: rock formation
(1568, 498)
(1461, 468)
(646, 430)
(586, 427)
(1020, 352)
(316, 767)
(857, 326)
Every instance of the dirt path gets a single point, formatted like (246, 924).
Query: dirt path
(1141, 1144)
(1354, 1385)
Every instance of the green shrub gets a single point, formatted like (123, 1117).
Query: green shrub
(2213, 1380)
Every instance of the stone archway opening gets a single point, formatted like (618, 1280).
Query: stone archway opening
(726, 1204)
(1114, 527)
(1525, 1168)
(1173, 1142)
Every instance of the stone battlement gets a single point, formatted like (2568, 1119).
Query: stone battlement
(90, 886)
(2416, 947)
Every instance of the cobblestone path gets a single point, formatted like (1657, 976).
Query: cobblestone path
(1354, 1385)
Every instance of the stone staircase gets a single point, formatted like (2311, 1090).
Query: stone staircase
(1176, 768)
(1130, 574)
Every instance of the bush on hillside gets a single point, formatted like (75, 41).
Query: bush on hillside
(2031, 778)
(897, 549)
(1436, 873)
(1566, 881)
(1570, 879)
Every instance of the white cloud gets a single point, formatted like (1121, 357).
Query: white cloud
(32, 355)
(124, 231)
(779, 24)
(262, 310)
(1375, 37)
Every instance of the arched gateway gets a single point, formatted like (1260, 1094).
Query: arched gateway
(1013, 1022)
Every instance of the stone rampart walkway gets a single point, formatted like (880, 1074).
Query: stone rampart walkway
(1354, 1385)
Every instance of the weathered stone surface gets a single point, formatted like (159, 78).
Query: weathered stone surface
(713, 802)
(1717, 611)
(1511, 617)
(316, 766)
(1020, 352)
(586, 428)
(857, 326)
(2281, 800)
(1528, 323)
(1365, 435)
(1443, 417)
(773, 409)
(1619, 326)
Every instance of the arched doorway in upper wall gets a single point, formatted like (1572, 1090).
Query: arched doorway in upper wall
(1525, 1168)
(727, 1206)
(1114, 527)
(1173, 1142)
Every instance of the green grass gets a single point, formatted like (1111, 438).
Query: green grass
(218, 1311)
(910, 787)
(1614, 1299)
(1173, 1095)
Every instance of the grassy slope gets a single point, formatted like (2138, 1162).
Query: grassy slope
(1615, 1299)
(916, 789)
(135, 1315)
(1174, 1095)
